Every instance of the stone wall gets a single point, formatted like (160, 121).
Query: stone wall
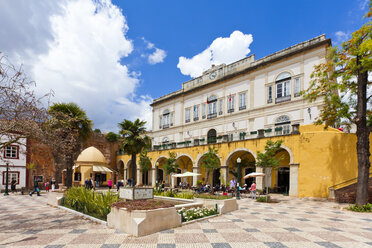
(348, 193)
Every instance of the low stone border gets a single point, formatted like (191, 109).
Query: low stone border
(173, 198)
(200, 219)
(83, 215)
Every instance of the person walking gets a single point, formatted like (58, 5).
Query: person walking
(36, 188)
(109, 184)
(13, 185)
(53, 183)
(253, 190)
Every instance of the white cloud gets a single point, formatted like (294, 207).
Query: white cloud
(341, 36)
(80, 58)
(157, 57)
(222, 50)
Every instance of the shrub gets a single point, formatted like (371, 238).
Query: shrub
(196, 213)
(214, 197)
(86, 201)
(263, 199)
(112, 137)
(185, 195)
(364, 208)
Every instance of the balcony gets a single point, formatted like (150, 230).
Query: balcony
(211, 116)
(165, 126)
(270, 100)
(196, 118)
(230, 110)
(242, 107)
(187, 121)
(283, 99)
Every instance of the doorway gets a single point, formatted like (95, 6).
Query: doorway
(283, 180)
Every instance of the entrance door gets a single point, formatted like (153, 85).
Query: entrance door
(283, 180)
(216, 177)
(250, 180)
(160, 175)
(145, 178)
(178, 178)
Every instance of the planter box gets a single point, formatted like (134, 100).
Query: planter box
(136, 193)
(55, 199)
(224, 206)
(143, 222)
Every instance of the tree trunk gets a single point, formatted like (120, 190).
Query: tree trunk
(134, 169)
(362, 140)
(207, 181)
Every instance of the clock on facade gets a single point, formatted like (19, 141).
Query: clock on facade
(213, 75)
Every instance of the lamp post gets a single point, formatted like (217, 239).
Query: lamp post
(6, 179)
(157, 176)
(238, 161)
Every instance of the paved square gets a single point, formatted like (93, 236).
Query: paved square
(29, 222)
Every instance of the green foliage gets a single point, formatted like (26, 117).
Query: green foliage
(364, 208)
(185, 195)
(210, 161)
(170, 165)
(86, 201)
(77, 119)
(267, 158)
(214, 197)
(263, 199)
(144, 162)
(97, 130)
(112, 137)
(199, 182)
(134, 136)
(196, 213)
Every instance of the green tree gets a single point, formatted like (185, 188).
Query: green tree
(66, 130)
(144, 162)
(112, 137)
(170, 165)
(134, 140)
(210, 161)
(342, 82)
(244, 164)
(268, 159)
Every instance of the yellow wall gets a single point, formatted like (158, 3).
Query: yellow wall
(325, 157)
(85, 171)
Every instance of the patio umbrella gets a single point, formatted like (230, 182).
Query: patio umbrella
(186, 174)
(254, 174)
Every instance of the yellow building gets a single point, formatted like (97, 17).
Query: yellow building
(314, 160)
(91, 164)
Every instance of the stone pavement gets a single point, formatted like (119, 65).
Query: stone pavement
(28, 222)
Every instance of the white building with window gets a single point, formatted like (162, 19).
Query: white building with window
(246, 99)
(15, 155)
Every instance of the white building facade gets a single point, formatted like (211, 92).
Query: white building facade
(16, 157)
(246, 99)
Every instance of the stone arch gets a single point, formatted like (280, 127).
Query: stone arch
(239, 150)
(158, 159)
(289, 152)
(127, 164)
(200, 155)
(186, 155)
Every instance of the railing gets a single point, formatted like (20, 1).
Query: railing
(165, 126)
(283, 99)
(242, 107)
(230, 110)
(346, 183)
(211, 116)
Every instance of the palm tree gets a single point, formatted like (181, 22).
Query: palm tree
(134, 140)
(67, 129)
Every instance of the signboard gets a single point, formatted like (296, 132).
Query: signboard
(136, 193)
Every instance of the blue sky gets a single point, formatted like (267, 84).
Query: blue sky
(186, 28)
(113, 57)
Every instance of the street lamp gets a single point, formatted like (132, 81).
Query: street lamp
(157, 175)
(6, 179)
(238, 161)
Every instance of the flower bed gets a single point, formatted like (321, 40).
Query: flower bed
(143, 204)
(196, 213)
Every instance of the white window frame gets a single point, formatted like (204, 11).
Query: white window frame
(231, 104)
(220, 106)
(297, 87)
(187, 115)
(270, 94)
(11, 152)
(242, 100)
(196, 112)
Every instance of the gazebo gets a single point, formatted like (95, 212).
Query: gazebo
(91, 164)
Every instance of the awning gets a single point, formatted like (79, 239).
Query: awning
(97, 168)
(187, 174)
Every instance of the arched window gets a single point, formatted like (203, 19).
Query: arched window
(165, 140)
(212, 136)
(212, 106)
(283, 87)
(282, 125)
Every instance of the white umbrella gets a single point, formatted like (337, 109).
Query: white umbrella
(186, 174)
(254, 174)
